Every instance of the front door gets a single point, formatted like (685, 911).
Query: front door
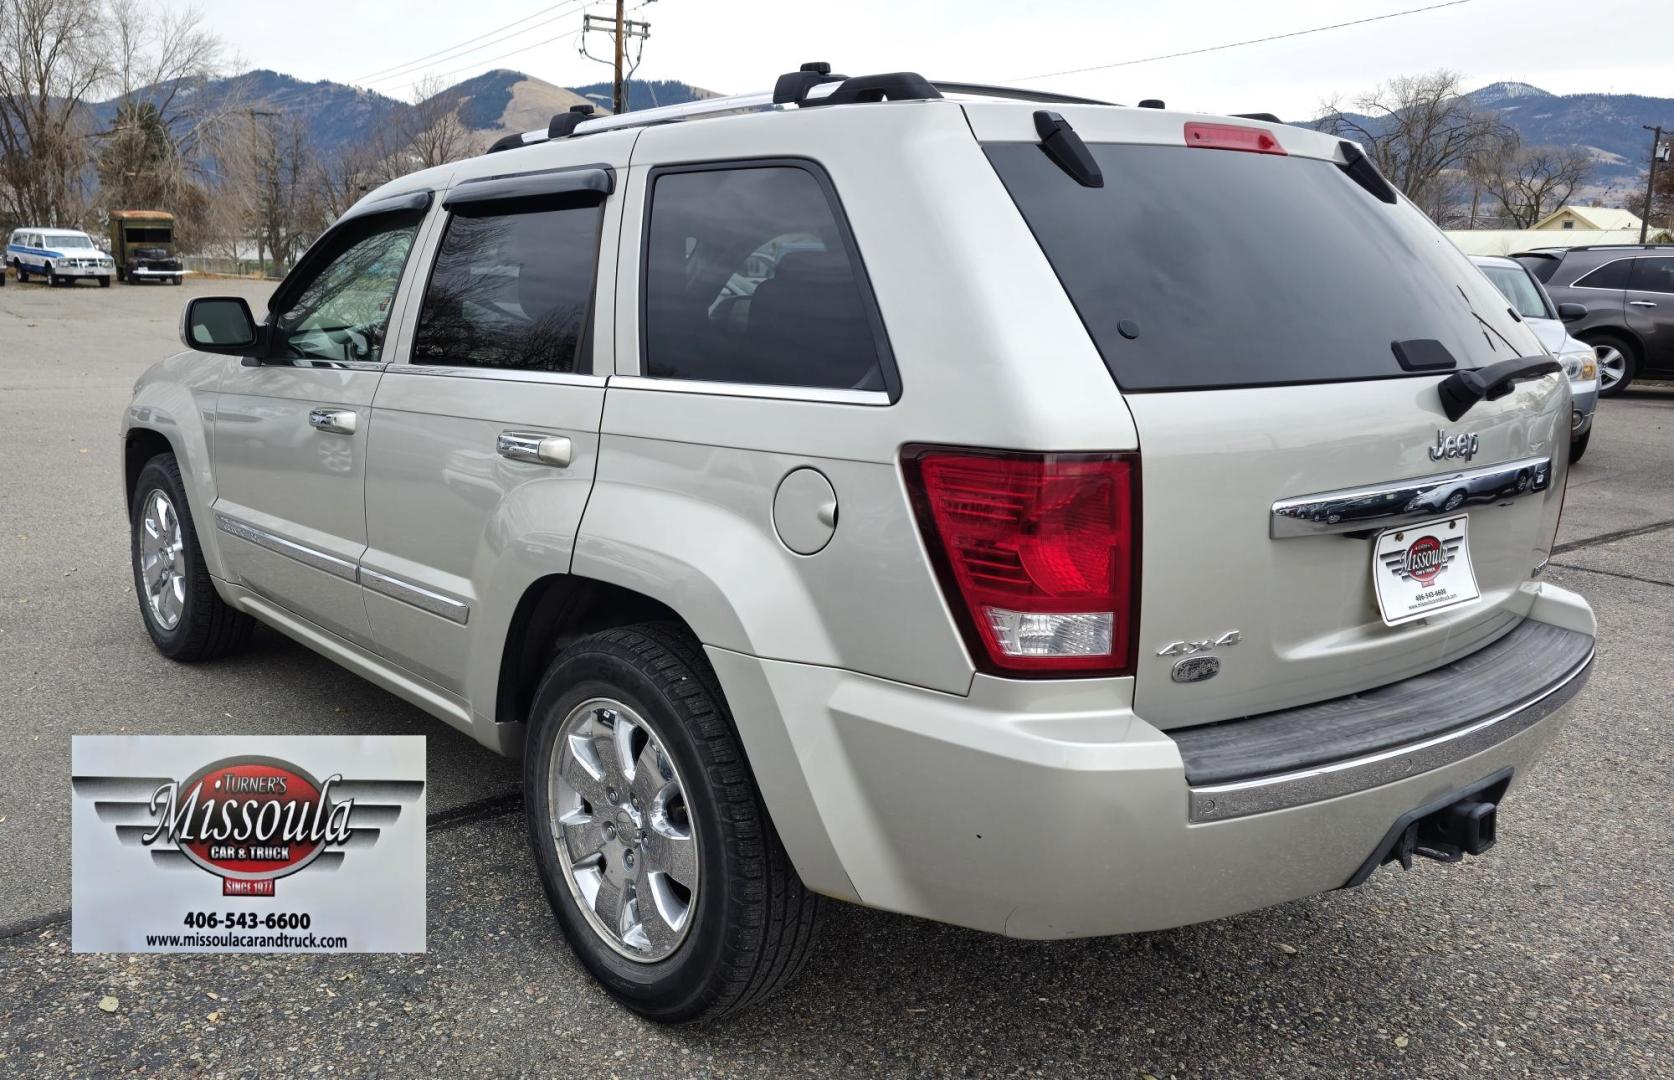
(291, 426)
(484, 440)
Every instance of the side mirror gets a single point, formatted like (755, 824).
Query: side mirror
(219, 324)
(1572, 312)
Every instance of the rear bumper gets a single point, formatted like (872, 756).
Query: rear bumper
(1052, 811)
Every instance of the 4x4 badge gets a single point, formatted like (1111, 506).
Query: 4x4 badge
(1450, 446)
(1187, 648)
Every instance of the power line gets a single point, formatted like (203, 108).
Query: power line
(381, 74)
(1238, 44)
(474, 66)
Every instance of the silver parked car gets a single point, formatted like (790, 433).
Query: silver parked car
(1006, 511)
(1529, 299)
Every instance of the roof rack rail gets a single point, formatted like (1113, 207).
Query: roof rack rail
(1015, 93)
(800, 88)
(1646, 246)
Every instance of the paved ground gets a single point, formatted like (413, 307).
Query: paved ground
(1554, 955)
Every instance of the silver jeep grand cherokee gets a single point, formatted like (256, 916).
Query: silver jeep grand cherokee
(1042, 516)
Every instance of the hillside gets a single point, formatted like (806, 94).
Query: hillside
(337, 116)
(1608, 125)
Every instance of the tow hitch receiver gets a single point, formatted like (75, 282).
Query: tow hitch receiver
(1465, 828)
(1446, 830)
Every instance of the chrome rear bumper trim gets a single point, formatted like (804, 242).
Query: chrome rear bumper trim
(1379, 506)
(1219, 802)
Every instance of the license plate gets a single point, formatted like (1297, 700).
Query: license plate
(1421, 569)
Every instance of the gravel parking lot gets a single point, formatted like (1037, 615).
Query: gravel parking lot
(1551, 955)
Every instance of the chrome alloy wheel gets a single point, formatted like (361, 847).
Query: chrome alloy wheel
(162, 555)
(1612, 365)
(623, 829)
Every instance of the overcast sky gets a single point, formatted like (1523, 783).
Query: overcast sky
(739, 45)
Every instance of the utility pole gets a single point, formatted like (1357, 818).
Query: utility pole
(616, 88)
(620, 29)
(1657, 154)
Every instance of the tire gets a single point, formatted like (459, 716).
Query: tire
(52, 278)
(22, 274)
(1578, 446)
(204, 626)
(747, 922)
(1618, 363)
(122, 275)
(104, 281)
(177, 281)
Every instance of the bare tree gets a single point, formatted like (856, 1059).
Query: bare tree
(437, 134)
(269, 183)
(52, 56)
(1420, 132)
(1532, 181)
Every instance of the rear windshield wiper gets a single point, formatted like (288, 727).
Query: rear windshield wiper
(1462, 389)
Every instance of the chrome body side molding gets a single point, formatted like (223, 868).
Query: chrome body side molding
(302, 553)
(406, 592)
(396, 589)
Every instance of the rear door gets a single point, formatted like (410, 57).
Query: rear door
(1649, 305)
(488, 431)
(1255, 309)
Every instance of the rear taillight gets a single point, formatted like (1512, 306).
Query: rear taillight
(1251, 140)
(1038, 554)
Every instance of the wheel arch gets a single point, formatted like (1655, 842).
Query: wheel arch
(560, 608)
(554, 611)
(139, 446)
(1615, 334)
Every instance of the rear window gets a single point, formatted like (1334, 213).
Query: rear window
(1541, 266)
(1196, 268)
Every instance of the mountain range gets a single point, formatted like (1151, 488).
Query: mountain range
(1606, 125)
(500, 101)
(337, 116)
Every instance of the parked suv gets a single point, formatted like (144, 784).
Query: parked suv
(61, 256)
(1628, 290)
(820, 510)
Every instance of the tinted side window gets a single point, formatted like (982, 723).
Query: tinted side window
(1652, 275)
(342, 312)
(1612, 275)
(751, 278)
(512, 290)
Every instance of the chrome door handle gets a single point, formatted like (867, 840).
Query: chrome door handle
(336, 421)
(535, 448)
(1641, 303)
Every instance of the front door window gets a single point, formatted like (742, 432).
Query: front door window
(343, 313)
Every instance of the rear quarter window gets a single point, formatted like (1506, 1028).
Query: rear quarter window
(1195, 268)
(751, 276)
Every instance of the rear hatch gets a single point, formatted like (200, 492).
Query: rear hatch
(1249, 305)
